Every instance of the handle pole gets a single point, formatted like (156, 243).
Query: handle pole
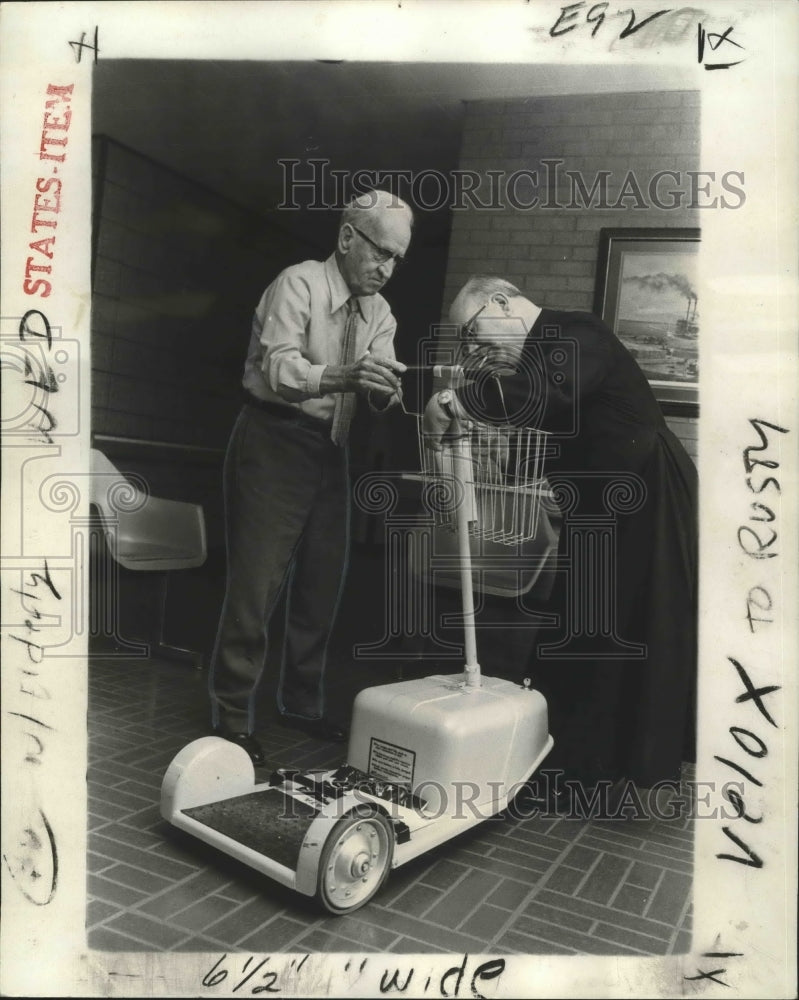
(464, 513)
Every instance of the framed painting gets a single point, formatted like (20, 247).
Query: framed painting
(646, 291)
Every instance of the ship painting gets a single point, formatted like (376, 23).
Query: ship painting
(657, 318)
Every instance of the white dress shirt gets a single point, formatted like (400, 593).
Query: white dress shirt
(298, 330)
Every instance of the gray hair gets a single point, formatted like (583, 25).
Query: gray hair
(486, 285)
(357, 210)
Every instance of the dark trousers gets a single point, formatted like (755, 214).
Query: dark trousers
(287, 524)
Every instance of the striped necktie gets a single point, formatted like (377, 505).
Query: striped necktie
(345, 401)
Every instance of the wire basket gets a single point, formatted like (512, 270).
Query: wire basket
(496, 471)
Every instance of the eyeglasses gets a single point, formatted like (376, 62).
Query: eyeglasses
(469, 328)
(380, 254)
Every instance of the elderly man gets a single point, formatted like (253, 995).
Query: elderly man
(321, 335)
(621, 698)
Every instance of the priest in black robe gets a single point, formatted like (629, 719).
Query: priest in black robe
(619, 669)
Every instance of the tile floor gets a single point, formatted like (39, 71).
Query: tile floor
(547, 885)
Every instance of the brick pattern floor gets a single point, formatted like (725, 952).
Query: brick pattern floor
(543, 885)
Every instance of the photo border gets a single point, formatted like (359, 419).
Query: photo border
(746, 879)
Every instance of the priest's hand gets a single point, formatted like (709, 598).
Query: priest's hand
(442, 418)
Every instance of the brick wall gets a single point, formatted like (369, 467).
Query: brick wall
(551, 252)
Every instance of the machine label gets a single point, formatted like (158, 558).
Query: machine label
(391, 762)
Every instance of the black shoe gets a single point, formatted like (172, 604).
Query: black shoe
(245, 741)
(320, 729)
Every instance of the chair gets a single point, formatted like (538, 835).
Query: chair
(144, 533)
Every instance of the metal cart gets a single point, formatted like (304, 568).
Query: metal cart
(427, 758)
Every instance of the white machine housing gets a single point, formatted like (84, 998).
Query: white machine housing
(439, 755)
(459, 747)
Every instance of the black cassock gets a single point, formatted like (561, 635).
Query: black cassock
(619, 672)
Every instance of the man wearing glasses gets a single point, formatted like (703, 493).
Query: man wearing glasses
(620, 672)
(321, 336)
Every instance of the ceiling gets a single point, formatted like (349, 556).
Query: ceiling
(227, 124)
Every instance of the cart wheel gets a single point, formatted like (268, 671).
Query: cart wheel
(355, 859)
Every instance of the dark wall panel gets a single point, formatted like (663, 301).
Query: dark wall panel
(177, 273)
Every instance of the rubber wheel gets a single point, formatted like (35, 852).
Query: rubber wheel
(355, 860)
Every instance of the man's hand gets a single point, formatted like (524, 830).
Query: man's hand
(375, 373)
(370, 373)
